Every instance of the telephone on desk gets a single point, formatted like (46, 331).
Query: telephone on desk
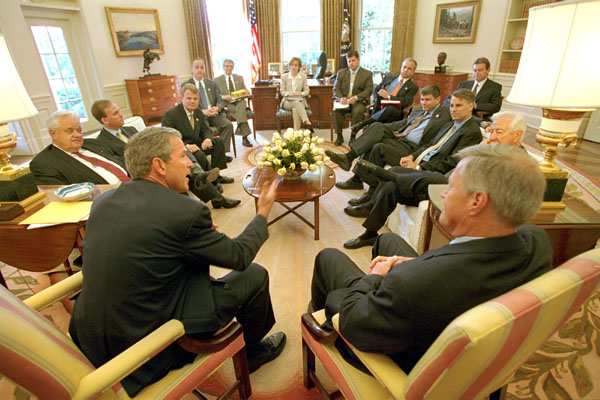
(264, 82)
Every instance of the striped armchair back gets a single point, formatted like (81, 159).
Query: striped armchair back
(489, 342)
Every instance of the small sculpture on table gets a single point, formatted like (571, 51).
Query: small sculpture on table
(441, 59)
(149, 58)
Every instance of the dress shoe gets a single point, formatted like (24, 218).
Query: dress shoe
(366, 168)
(339, 140)
(224, 179)
(360, 211)
(267, 350)
(358, 242)
(222, 201)
(339, 159)
(219, 187)
(246, 142)
(350, 184)
(202, 178)
(362, 199)
(228, 159)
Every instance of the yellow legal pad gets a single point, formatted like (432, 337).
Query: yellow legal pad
(60, 213)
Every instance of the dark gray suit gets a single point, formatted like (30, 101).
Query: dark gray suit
(148, 255)
(405, 95)
(488, 99)
(363, 86)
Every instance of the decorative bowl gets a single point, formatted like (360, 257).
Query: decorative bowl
(75, 192)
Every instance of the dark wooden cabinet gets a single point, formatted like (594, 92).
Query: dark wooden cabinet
(446, 82)
(266, 104)
(151, 97)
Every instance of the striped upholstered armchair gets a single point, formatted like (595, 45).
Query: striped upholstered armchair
(476, 354)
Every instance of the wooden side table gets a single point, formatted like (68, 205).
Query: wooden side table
(309, 188)
(573, 230)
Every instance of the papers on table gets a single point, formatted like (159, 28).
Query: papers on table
(60, 213)
(339, 106)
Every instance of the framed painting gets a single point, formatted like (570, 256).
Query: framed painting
(274, 68)
(330, 66)
(134, 30)
(456, 22)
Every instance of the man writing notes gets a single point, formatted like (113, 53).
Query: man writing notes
(397, 87)
(227, 84)
(211, 104)
(488, 94)
(352, 91)
(136, 279)
(404, 300)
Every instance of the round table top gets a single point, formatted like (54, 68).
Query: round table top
(309, 186)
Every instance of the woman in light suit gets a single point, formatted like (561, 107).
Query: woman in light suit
(294, 90)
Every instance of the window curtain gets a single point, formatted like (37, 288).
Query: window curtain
(403, 33)
(198, 32)
(269, 34)
(332, 19)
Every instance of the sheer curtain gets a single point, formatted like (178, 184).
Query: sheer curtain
(198, 32)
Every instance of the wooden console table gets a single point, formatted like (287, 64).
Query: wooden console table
(446, 82)
(266, 105)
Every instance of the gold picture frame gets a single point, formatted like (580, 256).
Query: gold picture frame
(274, 68)
(456, 22)
(134, 30)
(330, 66)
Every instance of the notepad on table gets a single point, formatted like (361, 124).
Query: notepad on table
(339, 106)
(60, 213)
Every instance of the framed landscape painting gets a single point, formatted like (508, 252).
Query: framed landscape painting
(134, 30)
(456, 22)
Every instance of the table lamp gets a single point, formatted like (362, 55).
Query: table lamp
(16, 184)
(558, 72)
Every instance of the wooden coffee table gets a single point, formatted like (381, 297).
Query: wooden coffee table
(309, 188)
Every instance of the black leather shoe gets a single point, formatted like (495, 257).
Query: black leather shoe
(267, 350)
(360, 211)
(228, 159)
(366, 168)
(339, 140)
(202, 178)
(246, 142)
(349, 185)
(219, 187)
(224, 179)
(225, 202)
(362, 199)
(357, 242)
(339, 159)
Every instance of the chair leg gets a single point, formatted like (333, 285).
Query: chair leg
(308, 365)
(233, 144)
(240, 365)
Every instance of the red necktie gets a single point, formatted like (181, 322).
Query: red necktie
(397, 88)
(118, 172)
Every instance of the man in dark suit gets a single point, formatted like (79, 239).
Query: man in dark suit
(211, 103)
(136, 279)
(399, 87)
(463, 131)
(71, 159)
(227, 84)
(488, 94)
(403, 137)
(405, 300)
(352, 88)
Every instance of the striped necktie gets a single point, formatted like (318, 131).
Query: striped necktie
(120, 135)
(116, 171)
(435, 146)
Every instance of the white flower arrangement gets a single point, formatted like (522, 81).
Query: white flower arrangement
(294, 151)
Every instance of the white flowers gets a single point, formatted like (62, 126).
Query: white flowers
(293, 150)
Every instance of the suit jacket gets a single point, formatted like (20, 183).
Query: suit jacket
(177, 118)
(213, 93)
(445, 159)
(441, 116)
(116, 145)
(363, 85)
(402, 314)
(137, 279)
(286, 87)
(406, 94)
(223, 85)
(52, 166)
(489, 97)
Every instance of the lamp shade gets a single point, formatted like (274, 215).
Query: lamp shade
(560, 63)
(15, 103)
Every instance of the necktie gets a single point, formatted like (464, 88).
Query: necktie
(397, 88)
(203, 101)
(120, 135)
(191, 118)
(352, 76)
(231, 87)
(475, 88)
(416, 122)
(107, 166)
(435, 146)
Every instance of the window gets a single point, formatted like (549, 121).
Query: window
(300, 30)
(59, 69)
(376, 34)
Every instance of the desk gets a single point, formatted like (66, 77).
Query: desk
(41, 249)
(309, 188)
(266, 105)
(573, 230)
